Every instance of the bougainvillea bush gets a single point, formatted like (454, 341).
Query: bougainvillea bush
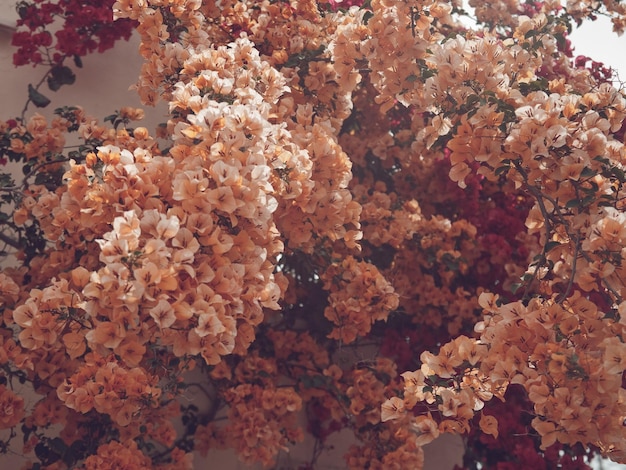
(358, 215)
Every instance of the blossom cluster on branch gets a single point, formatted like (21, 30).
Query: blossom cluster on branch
(358, 215)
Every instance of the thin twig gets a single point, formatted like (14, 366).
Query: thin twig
(10, 241)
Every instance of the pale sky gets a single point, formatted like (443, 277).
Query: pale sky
(598, 41)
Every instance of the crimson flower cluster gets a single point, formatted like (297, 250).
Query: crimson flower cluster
(599, 71)
(87, 26)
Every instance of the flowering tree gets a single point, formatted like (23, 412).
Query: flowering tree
(364, 213)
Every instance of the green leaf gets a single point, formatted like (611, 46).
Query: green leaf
(22, 10)
(472, 100)
(77, 449)
(588, 173)
(58, 446)
(37, 98)
(427, 73)
(550, 245)
(588, 200)
(43, 453)
(6, 180)
(539, 84)
(502, 169)
(110, 118)
(605, 204)
(60, 75)
(315, 381)
(382, 377)
(530, 34)
(619, 174)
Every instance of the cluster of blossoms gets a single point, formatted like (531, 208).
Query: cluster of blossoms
(103, 385)
(263, 421)
(357, 213)
(88, 26)
(556, 144)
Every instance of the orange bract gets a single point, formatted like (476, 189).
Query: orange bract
(295, 243)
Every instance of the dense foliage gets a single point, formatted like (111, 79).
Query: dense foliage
(364, 213)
